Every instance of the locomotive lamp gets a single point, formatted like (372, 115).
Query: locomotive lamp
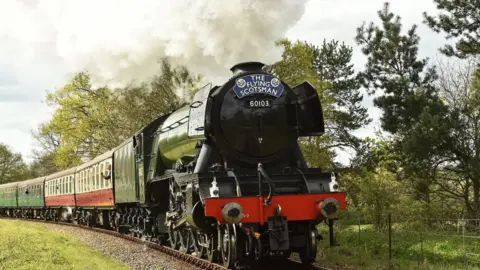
(329, 208)
(232, 213)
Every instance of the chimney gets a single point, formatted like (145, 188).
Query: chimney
(247, 67)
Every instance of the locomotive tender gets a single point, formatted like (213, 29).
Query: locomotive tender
(223, 177)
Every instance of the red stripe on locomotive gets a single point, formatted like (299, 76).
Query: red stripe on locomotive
(294, 207)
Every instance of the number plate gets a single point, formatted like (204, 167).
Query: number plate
(263, 103)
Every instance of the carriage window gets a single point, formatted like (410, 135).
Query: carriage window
(102, 181)
(92, 177)
(89, 179)
(90, 182)
(97, 178)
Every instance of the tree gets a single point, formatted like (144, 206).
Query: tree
(82, 125)
(12, 166)
(88, 121)
(393, 67)
(332, 63)
(412, 110)
(138, 105)
(43, 164)
(459, 146)
(461, 19)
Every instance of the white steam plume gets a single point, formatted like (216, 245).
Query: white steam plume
(118, 41)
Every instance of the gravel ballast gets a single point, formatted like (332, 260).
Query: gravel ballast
(134, 255)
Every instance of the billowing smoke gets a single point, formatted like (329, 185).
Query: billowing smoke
(118, 41)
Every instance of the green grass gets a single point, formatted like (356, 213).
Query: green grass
(422, 249)
(31, 246)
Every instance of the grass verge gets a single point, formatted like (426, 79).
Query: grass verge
(31, 246)
(364, 247)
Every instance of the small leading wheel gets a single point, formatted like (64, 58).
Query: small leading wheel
(200, 243)
(212, 251)
(308, 254)
(249, 244)
(257, 249)
(228, 245)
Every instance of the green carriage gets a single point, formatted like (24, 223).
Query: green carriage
(8, 197)
(31, 197)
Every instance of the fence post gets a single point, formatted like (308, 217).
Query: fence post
(359, 227)
(421, 240)
(390, 237)
(464, 247)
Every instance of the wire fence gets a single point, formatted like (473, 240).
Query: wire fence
(399, 241)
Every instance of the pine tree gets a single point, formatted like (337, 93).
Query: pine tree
(333, 64)
(460, 19)
(394, 68)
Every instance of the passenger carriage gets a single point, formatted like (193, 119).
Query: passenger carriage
(93, 193)
(60, 194)
(8, 199)
(31, 199)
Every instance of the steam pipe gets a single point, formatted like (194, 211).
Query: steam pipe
(271, 186)
(203, 158)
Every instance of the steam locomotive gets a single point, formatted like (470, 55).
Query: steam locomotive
(222, 178)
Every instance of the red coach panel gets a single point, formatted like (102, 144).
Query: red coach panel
(100, 198)
(62, 200)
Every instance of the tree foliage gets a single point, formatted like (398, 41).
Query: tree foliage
(333, 65)
(12, 166)
(393, 68)
(88, 120)
(459, 19)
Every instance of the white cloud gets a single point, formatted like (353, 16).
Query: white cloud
(41, 42)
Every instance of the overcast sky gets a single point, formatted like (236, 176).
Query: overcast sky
(24, 78)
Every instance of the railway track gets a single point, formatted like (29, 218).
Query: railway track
(182, 257)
